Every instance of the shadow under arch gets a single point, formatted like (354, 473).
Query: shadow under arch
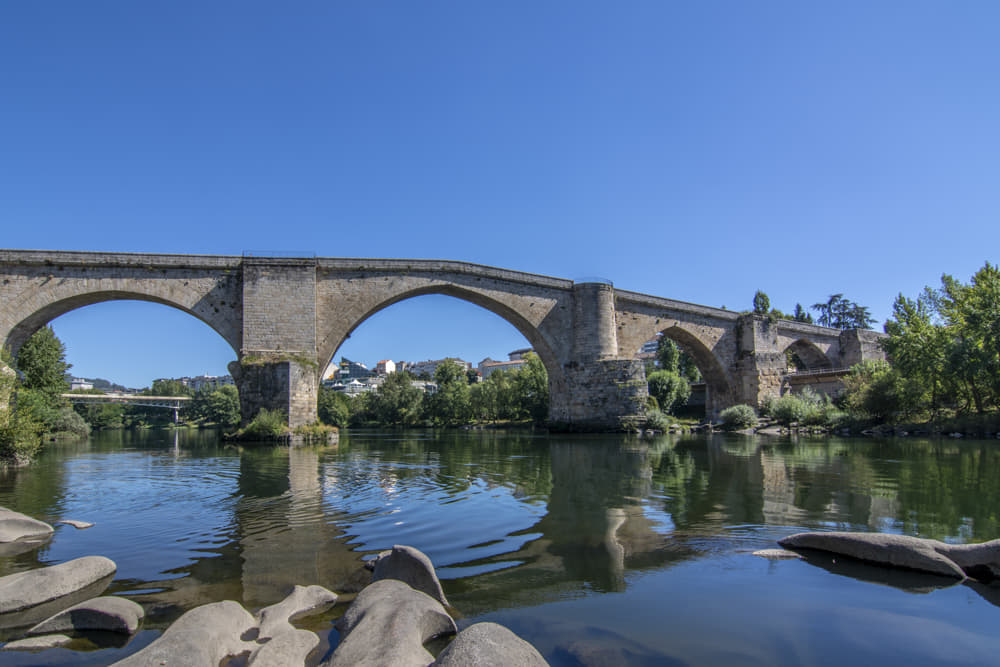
(34, 321)
(718, 383)
(811, 357)
(540, 345)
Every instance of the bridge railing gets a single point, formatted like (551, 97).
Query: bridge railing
(819, 371)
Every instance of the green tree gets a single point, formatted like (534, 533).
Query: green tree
(840, 313)
(800, 315)
(217, 406)
(668, 355)
(450, 404)
(761, 304)
(333, 407)
(531, 384)
(669, 388)
(42, 359)
(396, 401)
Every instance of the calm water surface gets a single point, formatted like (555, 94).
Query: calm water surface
(597, 549)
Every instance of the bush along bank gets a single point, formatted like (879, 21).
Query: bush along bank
(271, 427)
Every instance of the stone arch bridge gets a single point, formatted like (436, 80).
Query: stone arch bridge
(286, 317)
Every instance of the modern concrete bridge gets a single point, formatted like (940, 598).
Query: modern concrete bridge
(286, 317)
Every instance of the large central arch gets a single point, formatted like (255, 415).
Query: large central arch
(338, 330)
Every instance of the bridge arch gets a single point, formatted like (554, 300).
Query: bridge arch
(718, 382)
(807, 356)
(37, 307)
(333, 337)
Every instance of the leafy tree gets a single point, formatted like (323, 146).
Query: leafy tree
(217, 406)
(334, 407)
(166, 387)
(20, 431)
(450, 404)
(841, 313)
(42, 359)
(668, 355)
(669, 389)
(800, 315)
(761, 304)
(396, 401)
(531, 384)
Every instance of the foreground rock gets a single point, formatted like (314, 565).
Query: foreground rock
(211, 633)
(29, 597)
(411, 566)
(20, 533)
(489, 645)
(107, 614)
(388, 624)
(37, 643)
(203, 636)
(979, 561)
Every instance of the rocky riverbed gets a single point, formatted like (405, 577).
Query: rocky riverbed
(390, 622)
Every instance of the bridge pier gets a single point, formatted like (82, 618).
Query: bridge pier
(287, 386)
(602, 391)
(760, 362)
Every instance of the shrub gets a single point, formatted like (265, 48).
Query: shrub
(657, 421)
(738, 417)
(788, 409)
(267, 425)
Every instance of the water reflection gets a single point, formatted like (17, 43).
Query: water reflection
(513, 521)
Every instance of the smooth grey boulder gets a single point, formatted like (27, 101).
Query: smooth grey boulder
(980, 561)
(107, 614)
(203, 636)
(489, 645)
(388, 624)
(301, 601)
(29, 597)
(288, 647)
(15, 527)
(37, 643)
(412, 567)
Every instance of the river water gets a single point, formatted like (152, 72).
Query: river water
(597, 549)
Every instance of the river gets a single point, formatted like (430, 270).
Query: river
(593, 547)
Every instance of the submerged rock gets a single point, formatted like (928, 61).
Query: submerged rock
(980, 561)
(15, 527)
(79, 525)
(37, 643)
(107, 614)
(777, 554)
(29, 597)
(410, 566)
(489, 645)
(388, 624)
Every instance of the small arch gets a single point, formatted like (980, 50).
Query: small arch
(718, 383)
(804, 355)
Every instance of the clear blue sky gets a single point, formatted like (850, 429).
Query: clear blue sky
(698, 150)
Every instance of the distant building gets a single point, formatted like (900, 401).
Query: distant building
(515, 361)
(209, 382)
(421, 367)
(352, 370)
(80, 384)
(385, 367)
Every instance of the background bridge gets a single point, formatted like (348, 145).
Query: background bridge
(175, 403)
